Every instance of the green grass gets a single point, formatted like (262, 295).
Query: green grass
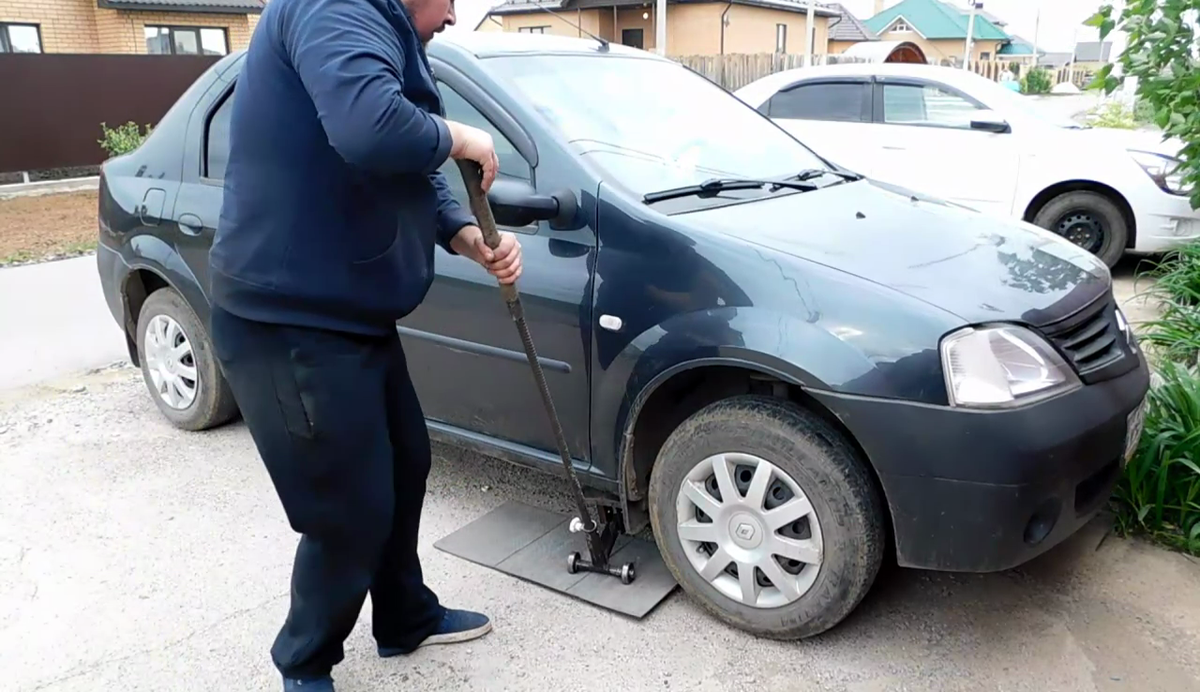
(73, 249)
(1159, 492)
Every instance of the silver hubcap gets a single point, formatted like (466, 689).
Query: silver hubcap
(749, 530)
(170, 362)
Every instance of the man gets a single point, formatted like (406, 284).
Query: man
(333, 204)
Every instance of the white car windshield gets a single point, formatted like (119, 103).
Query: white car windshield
(650, 124)
(1001, 99)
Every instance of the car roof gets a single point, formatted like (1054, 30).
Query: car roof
(762, 89)
(485, 44)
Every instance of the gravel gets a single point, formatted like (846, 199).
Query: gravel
(134, 556)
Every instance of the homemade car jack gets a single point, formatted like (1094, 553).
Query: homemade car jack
(521, 540)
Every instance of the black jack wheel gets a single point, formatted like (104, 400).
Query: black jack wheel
(628, 573)
(573, 563)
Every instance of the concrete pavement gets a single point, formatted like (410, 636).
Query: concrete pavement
(54, 322)
(137, 557)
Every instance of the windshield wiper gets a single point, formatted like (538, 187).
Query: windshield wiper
(710, 188)
(811, 173)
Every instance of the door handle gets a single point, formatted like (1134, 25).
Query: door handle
(190, 224)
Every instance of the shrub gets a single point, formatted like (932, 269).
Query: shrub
(1112, 114)
(123, 139)
(1159, 493)
(1036, 81)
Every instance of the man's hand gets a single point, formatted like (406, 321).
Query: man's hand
(504, 262)
(476, 145)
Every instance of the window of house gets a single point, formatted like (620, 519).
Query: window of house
(912, 104)
(186, 40)
(512, 165)
(781, 38)
(901, 27)
(216, 140)
(836, 101)
(20, 38)
(983, 57)
(532, 29)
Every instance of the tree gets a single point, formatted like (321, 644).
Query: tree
(1162, 56)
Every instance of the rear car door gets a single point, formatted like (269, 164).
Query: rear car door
(198, 206)
(465, 355)
(830, 115)
(926, 143)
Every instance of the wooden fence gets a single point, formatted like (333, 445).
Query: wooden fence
(735, 70)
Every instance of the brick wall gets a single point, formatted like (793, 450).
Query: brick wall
(121, 31)
(67, 26)
(79, 26)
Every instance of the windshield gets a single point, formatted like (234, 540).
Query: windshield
(653, 125)
(998, 98)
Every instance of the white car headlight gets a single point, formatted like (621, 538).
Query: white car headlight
(1001, 366)
(1163, 170)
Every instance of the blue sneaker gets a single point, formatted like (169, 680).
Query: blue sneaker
(324, 684)
(457, 626)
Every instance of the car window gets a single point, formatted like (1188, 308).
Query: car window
(912, 104)
(840, 101)
(651, 124)
(216, 138)
(512, 164)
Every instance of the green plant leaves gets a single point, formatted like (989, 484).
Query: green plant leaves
(1159, 54)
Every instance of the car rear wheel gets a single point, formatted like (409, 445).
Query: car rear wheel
(1090, 220)
(178, 365)
(765, 514)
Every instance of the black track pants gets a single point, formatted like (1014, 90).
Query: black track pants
(338, 425)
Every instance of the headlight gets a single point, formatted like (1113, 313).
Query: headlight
(1001, 366)
(1163, 170)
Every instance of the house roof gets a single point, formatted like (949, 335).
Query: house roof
(189, 6)
(529, 6)
(935, 20)
(1093, 51)
(1017, 46)
(848, 27)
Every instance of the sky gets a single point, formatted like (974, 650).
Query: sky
(1060, 27)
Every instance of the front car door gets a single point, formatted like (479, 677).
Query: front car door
(830, 115)
(464, 352)
(926, 143)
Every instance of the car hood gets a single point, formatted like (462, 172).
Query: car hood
(1140, 140)
(978, 267)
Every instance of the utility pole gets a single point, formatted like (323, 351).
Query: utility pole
(811, 28)
(970, 34)
(660, 27)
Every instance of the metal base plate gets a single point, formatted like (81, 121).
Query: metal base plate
(533, 544)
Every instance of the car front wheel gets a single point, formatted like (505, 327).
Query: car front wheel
(1090, 220)
(765, 514)
(178, 365)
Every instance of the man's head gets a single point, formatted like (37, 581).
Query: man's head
(430, 16)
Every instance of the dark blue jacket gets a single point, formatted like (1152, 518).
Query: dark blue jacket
(333, 201)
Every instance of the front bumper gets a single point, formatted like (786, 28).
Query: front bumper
(1164, 222)
(979, 491)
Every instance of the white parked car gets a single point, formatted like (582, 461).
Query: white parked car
(964, 138)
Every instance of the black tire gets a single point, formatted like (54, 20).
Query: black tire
(828, 471)
(1101, 209)
(213, 404)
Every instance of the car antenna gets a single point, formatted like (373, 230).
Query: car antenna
(603, 42)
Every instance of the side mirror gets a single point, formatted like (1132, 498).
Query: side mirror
(989, 121)
(516, 204)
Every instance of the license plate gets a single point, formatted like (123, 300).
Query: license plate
(1134, 425)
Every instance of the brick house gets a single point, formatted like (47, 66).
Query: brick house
(180, 27)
